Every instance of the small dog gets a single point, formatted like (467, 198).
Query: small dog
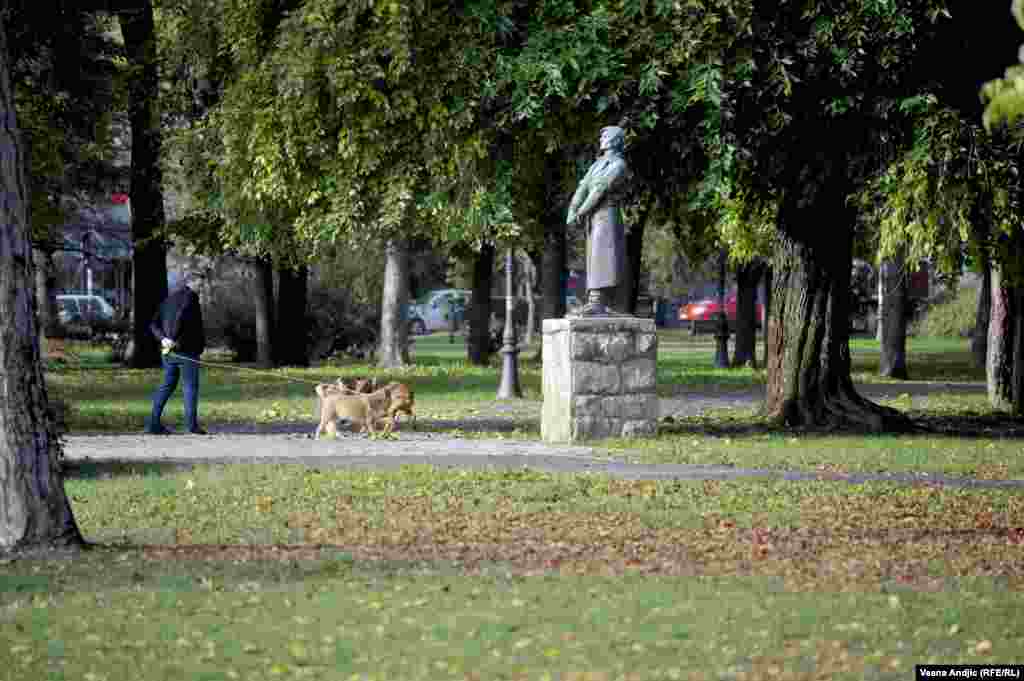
(359, 385)
(363, 410)
(402, 402)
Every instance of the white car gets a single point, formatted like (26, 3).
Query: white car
(74, 308)
(434, 310)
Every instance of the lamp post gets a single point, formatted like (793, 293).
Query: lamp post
(722, 337)
(509, 388)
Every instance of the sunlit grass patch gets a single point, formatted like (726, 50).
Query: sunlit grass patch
(105, 397)
(937, 454)
(223, 621)
(291, 572)
(579, 523)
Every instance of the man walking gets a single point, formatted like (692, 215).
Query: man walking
(178, 325)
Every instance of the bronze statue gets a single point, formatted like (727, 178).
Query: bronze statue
(597, 201)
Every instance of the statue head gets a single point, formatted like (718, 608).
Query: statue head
(613, 137)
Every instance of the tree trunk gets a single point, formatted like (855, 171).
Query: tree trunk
(747, 278)
(979, 339)
(809, 383)
(479, 345)
(149, 260)
(46, 292)
(292, 338)
(34, 509)
(768, 282)
(394, 327)
(263, 274)
(553, 269)
(527, 282)
(1005, 359)
(892, 316)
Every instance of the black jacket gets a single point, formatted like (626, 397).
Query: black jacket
(180, 318)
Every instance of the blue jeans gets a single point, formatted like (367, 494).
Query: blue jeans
(189, 371)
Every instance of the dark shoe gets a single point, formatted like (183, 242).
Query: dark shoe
(198, 431)
(157, 431)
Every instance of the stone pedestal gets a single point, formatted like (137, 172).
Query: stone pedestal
(599, 378)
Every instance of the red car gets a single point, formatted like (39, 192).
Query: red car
(702, 315)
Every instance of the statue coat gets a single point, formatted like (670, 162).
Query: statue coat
(596, 201)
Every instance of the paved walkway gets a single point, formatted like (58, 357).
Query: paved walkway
(291, 443)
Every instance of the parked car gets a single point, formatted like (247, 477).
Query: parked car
(83, 309)
(436, 310)
(702, 315)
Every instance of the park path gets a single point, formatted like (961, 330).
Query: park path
(291, 443)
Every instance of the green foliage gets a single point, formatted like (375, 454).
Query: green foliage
(747, 227)
(66, 74)
(954, 317)
(463, 122)
(345, 117)
(956, 189)
(1005, 96)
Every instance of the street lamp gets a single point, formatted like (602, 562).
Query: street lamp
(509, 388)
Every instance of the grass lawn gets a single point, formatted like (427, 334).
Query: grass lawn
(289, 572)
(285, 572)
(109, 398)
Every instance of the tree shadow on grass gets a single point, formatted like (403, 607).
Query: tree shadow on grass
(101, 470)
(960, 425)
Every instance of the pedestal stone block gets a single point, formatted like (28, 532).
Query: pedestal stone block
(600, 375)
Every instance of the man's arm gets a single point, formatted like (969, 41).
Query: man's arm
(598, 188)
(156, 327)
(601, 183)
(577, 198)
(200, 328)
(174, 329)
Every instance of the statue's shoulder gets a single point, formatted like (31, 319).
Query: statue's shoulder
(618, 164)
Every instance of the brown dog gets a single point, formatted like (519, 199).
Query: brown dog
(402, 402)
(357, 385)
(362, 410)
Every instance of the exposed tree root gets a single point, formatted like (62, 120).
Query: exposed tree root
(840, 409)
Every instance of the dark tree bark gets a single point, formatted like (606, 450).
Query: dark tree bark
(263, 276)
(1005, 362)
(768, 283)
(34, 509)
(892, 317)
(553, 271)
(46, 292)
(983, 315)
(809, 383)
(748, 276)
(149, 260)
(553, 266)
(291, 343)
(394, 328)
(479, 345)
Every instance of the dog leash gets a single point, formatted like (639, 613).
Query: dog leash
(217, 365)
